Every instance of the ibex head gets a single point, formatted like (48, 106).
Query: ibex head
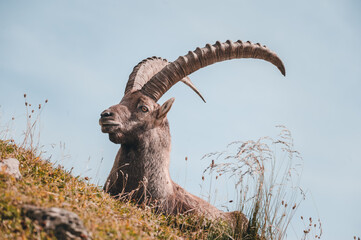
(138, 111)
(134, 115)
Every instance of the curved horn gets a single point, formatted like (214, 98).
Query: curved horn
(146, 69)
(202, 57)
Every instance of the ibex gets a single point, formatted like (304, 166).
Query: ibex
(140, 125)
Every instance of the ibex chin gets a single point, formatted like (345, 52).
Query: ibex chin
(140, 125)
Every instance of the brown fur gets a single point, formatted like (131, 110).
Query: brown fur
(141, 167)
(139, 124)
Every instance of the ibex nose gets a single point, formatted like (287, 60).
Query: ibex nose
(106, 113)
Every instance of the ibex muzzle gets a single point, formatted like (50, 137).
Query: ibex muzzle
(140, 125)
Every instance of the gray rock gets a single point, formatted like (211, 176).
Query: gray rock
(65, 224)
(10, 166)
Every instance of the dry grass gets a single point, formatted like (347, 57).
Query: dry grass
(106, 218)
(267, 174)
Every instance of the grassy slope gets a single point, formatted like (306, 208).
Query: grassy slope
(106, 218)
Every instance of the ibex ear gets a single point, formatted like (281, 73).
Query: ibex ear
(164, 109)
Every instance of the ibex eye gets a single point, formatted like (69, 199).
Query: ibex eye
(144, 109)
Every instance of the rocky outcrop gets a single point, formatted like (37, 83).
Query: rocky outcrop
(65, 224)
(10, 166)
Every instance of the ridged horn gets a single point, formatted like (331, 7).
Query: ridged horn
(146, 69)
(202, 57)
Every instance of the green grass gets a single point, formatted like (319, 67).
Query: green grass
(45, 185)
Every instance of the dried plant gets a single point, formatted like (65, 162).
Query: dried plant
(312, 229)
(31, 135)
(267, 174)
(31, 138)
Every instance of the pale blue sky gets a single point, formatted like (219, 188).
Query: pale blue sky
(79, 54)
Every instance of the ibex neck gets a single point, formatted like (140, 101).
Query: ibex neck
(148, 161)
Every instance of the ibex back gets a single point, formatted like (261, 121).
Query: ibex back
(140, 125)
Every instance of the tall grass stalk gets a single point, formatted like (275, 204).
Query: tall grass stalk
(31, 135)
(267, 175)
